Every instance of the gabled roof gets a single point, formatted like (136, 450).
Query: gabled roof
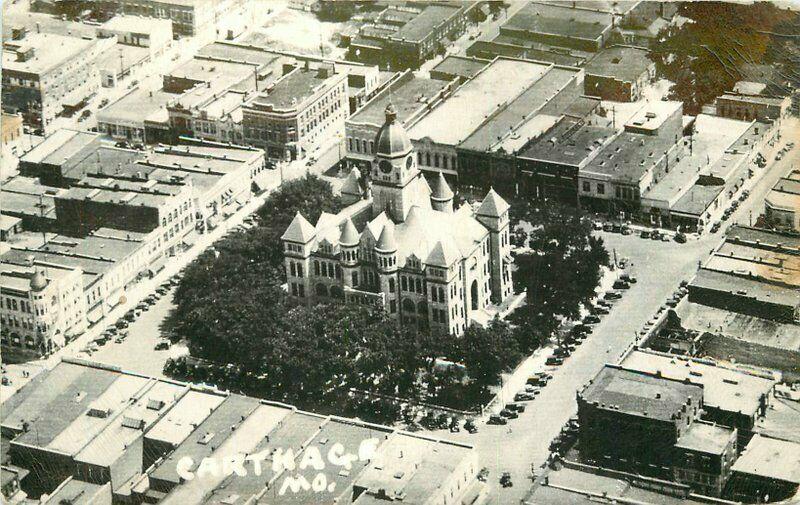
(444, 253)
(493, 205)
(349, 234)
(299, 230)
(386, 242)
(441, 190)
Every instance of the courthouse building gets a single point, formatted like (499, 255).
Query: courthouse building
(429, 264)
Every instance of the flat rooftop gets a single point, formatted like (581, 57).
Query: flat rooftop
(137, 24)
(28, 205)
(723, 388)
(136, 107)
(198, 445)
(295, 429)
(653, 115)
(640, 394)
(421, 25)
(517, 47)
(93, 246)
(527, 105)
(189, 412)
(697, 199)
(409, 94)
(705, 437)
(248, 433)
(761, 237)
(744, 287)
(90, 266)
(50, 51)
(569, 142)
(558, 19)
(67, 389)
(294, 88)
(111, 443)
(771, 458)
(227, 73)
(474, 102)
(628, 157)
(621, 62)
(62, 143)
(78, 492)
(756, 262)
(712, 137)
(348, 433)
(462, 66)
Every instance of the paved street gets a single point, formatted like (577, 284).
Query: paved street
(136, 353)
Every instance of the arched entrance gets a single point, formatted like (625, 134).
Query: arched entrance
(473, 292)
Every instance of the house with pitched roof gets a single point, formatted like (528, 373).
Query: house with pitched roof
(430, 265)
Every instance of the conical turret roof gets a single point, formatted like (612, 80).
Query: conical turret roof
(441, 190)
(443, 254)
(386, 242)
(352, 184)
(349, 234)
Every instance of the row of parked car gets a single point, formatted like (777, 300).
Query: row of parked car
(730, 210)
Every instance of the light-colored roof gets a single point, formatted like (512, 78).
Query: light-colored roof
(349, 234)
(351, 185)
(723, 388)
(184, 417)
(495, 86)
(444, 253)
(771, 458)
(386, 242)
(493, 205)
(441, 190)
(706, 437)
(299, 230)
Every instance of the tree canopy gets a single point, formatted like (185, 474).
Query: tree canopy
(560, 270)
(720, 44)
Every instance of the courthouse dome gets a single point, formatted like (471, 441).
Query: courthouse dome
(392, 139)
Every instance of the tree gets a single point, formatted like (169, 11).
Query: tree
(561, 271)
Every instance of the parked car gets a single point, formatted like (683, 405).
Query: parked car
(509, 414)
(553, 360)
(121, 324)
(630, 279)
(715, 227)
(608, 227)
(518, 407)
(621, 284)
(495, 419)
(599, 310)
(680, 238)
(469, 425)
(505, 480)
(103, 103)
(626, 230)
(645, 234)
(613, 295)
(162, 345)
(591, 319)
(523, 397)
(130, 315)
(655, 235)
(531, 389)
(597, 225)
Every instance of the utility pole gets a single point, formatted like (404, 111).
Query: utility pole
(614, 116)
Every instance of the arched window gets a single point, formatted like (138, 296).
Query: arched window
(336, 292)
(419, 157)
(316, 267)
(474, 295)
(408, 306)
(422, 308)
(364, 145)
(418, 284)
(428, 159)
(436, 160)
(444, 161)
(354, 278)
(321, 290)
(403, 283)
(441, 295)
(371, 146)
(391, 285)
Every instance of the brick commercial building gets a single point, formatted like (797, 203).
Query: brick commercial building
(753, 272)
(558, 24)
(646, 414)
(704, 456)
(634, 160)
(767, 471)
(619, 73)
(782, 203)
(406, 36)
(752, 107)
(296, 113)
(45, 74)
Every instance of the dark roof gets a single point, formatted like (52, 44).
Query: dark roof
(640, 394)
(424, 23)
(560, 20)
(569, 142)
(746, 288)
(623, 62)
(695, 201)
(408, 94)
(462, 66)
(629, 156)
(293, 88)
